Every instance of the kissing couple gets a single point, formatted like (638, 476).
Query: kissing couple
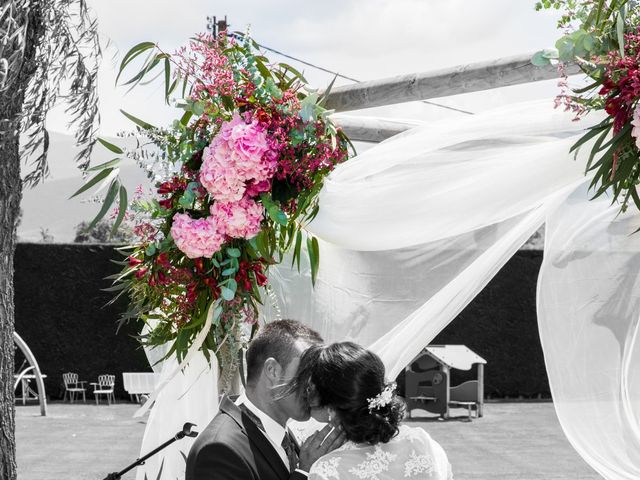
(292, 375)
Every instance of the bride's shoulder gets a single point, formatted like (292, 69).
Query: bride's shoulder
(412, 434)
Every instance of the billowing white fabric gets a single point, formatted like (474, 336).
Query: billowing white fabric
(190, 396)
(414, 228)
(588, 316)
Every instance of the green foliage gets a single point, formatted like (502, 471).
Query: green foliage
(170, 291)
(598, 36)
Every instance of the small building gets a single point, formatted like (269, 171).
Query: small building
(428, 381)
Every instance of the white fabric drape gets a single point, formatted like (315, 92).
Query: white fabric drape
(588, 315)
(190, 396)
(414, 228)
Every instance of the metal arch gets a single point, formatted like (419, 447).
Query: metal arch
(42, 397)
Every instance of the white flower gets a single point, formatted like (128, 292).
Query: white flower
(383, 398)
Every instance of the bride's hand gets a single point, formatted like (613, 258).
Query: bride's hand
(319, 444)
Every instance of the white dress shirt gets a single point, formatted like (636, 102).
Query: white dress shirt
(274, 431)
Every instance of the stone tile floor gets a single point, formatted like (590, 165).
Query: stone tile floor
(513, 441)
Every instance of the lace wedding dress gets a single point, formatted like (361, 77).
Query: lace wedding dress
(411, 454)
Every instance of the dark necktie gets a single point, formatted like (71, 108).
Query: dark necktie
(288, 443)
(290, 448)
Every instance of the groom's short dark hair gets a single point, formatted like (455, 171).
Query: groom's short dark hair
(277, 340)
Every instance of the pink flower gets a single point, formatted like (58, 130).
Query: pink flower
(196, 237)
(241, 152)
(635, 131)
(222, 183)
(240, 219)
(254, 189)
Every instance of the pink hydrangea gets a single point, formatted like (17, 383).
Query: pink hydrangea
(240, 219)
(239, 153)
(222, 182)
(196, 237)
(635, 131)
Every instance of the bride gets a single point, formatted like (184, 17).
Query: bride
(345, 386)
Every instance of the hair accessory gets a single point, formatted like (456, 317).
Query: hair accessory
(383, 398)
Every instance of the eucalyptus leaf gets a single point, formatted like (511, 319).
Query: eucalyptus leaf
(110, 146)
(227, 293)
(122, 209)
(108, 201)
(141, 123)
(93, 181)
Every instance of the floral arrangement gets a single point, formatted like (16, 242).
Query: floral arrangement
(603, 39)
(237, 178)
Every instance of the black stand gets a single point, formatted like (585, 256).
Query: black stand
(185, 432)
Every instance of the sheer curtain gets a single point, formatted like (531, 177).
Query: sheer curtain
(588, 316)
(412, 229)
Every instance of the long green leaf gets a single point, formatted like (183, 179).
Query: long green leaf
(598, 11)
(102, 166)
(137, 121)
(620, 31)
(313, 251)
(167, 80)
(108, 200)
(110, 146)
(132, 54)
(297, 250)
(99, 176)
(122, 209)
(588, 136)
(325, 94)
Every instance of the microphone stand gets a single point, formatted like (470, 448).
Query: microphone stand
(185, 432)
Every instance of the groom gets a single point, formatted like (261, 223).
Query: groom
(249, 439)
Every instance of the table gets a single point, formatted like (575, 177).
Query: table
(27, 392)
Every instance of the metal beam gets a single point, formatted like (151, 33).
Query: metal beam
(370, 129)
(445, 82)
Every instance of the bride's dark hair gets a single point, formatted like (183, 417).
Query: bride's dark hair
(344, 376)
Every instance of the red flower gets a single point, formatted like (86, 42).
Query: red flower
(163, 260)
(133, 261)
(141, 273)
(167, 203)
(262, 116)
(162, 278)
(165, 187)
(612, 106)
(199, 263)
(607, 86)
(261, 279)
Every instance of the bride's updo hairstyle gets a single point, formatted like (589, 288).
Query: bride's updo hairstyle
(346, 377)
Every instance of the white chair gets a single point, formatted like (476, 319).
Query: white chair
(72, 386)
(105, 387)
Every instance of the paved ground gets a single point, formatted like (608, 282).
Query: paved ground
(513, 441)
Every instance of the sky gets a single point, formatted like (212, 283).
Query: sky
(363, 39)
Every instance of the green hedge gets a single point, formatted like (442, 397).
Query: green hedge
(61, 314)
(500, 325)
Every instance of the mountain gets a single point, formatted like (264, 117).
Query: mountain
(47, 207)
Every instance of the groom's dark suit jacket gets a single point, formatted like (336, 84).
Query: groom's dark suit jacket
(232, 447)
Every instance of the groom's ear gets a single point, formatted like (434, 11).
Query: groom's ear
(272, 370)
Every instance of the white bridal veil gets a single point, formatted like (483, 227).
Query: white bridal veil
(412, 229)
